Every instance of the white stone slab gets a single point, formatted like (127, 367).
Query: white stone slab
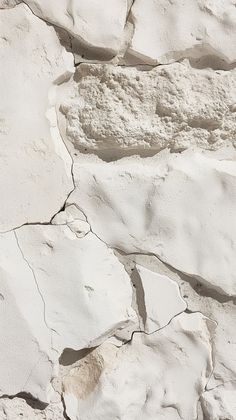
(35, 176)
(96, 24)
(178, 207)
(161, 296)
(87, 292)
(166, 31)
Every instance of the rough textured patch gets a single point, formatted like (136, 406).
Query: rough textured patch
(19, 409)
(116, 109)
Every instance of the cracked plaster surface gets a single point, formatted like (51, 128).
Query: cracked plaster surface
(117, 220)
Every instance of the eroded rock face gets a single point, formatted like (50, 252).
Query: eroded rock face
(18, 408)
(117, 276)
(118, 110)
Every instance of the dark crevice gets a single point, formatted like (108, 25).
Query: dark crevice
(70, 356)
(64, 409)
(201, 289)
(157, 330)
(48, 223)
(213, 62)
(196, 282)
(140, 295)
(29, 399)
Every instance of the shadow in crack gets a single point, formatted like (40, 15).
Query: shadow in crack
(70, 356)
(211, 61)
(29, 399)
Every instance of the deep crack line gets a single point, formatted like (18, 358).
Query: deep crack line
(39, 291)
(159, 329)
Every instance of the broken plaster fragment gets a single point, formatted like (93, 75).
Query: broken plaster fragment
(160, 297)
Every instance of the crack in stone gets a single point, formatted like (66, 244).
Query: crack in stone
(29, 399)
(212, 389)
(206, 291)
(48, 223)
(186, 311)
(220, 385)
(39, 291)
(159, 329)
(227, 66)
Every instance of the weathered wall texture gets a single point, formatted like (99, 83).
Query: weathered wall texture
(118, 209)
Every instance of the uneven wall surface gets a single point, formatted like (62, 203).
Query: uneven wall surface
(118, 209)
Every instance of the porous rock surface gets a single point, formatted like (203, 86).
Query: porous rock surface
(117, 216)
(116, 110)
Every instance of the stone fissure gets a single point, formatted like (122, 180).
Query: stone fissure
(37, 286)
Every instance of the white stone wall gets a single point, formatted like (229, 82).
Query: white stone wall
(118, 209)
